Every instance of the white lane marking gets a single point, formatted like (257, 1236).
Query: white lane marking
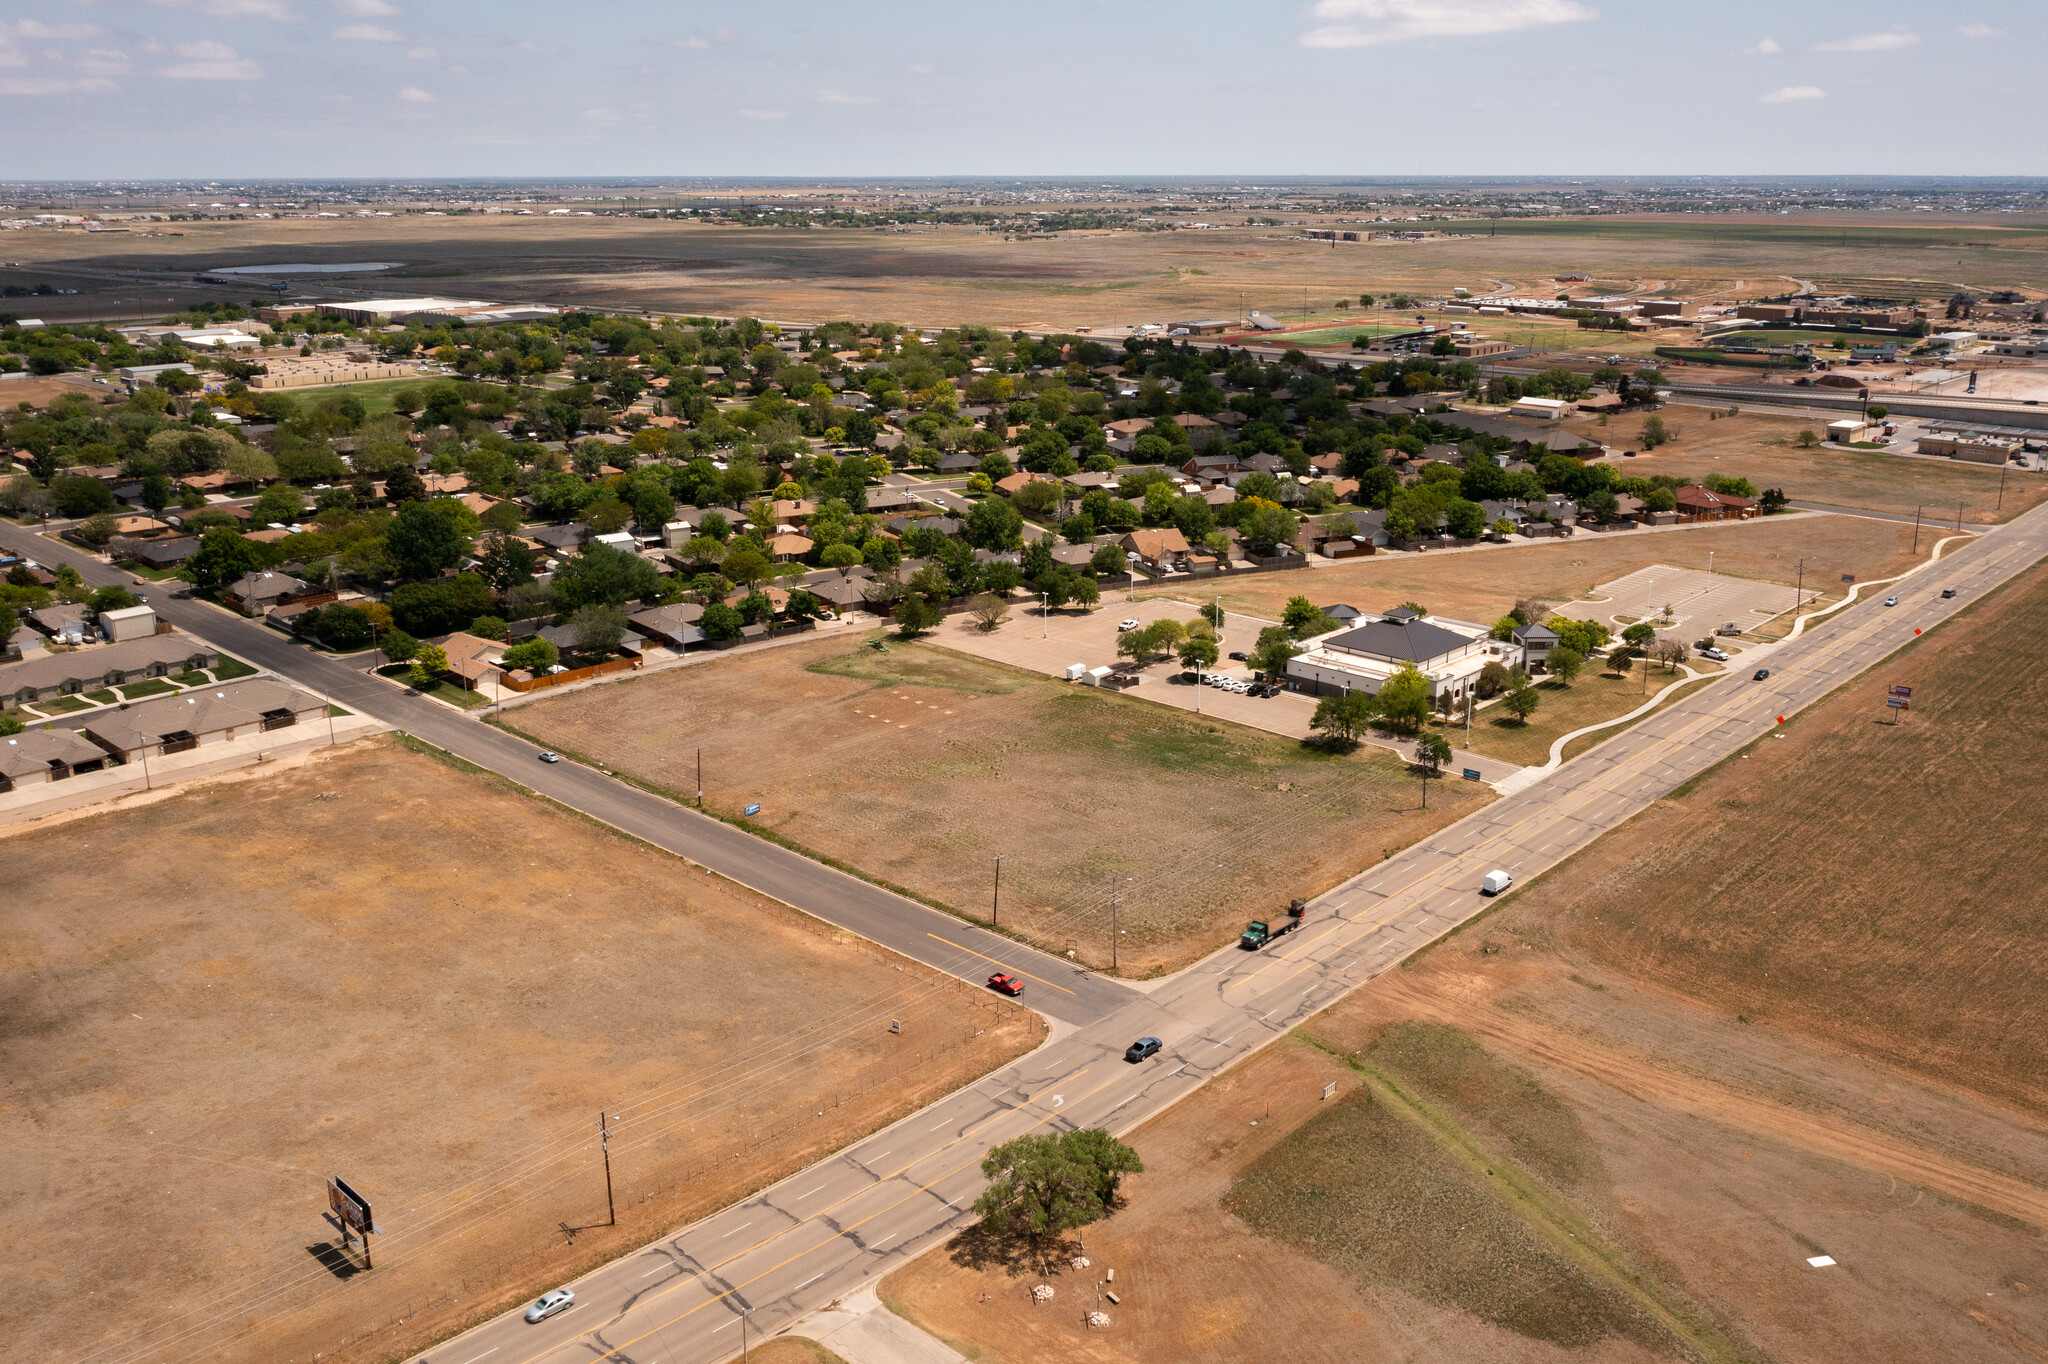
(807, 1283)
(654, 1271)
(1176, 1070)
(741, 1227)
(807, 1195)
(493, 1350)
(890, 1237)
(716, 1329)
(947, 1123)
(878, 1155)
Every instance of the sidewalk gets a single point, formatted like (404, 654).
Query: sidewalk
(860, 1330)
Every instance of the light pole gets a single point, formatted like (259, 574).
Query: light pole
(1710, 563)
(995, 903)
(1131, 567)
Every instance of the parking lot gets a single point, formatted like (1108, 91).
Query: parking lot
(1051, 644)
(1700, 602)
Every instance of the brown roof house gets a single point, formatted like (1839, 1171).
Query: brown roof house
(109, 665)
(204, 715)
(38, 756)
(1156, 549)
(1700, 504)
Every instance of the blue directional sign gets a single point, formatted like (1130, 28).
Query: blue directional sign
(753, 809)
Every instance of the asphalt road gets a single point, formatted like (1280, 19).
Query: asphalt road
(1059, 988)
(820, 1233)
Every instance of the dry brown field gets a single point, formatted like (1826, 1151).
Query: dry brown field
(1482, 585)
(920, 766)
(953, 275)
(377, 966)
(1758, 446)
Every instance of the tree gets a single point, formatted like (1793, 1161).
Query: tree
(1341, 719)
(427, 666)
(1041, 1187)
(1620, 659)
(1432, 752)
(1583, 637)
(993, 525)
(10, 724)
(1198, 652)
(1565, 664)
(422, 542)
(1212, 612)
(339, 627)
(97, 529)
(1300, 616)
(598, 627)
(720, 621)
(1654, 433)
(604, 573)
(404, 484)
(988, 611)
(1639, 634)
(744, 564)
(1274, 648)
(79, 496)
(1807, 439)
(915, 615)
(1404, 700)
(1268, 527)
(439, 607)
(1773, 500)
(505, 563)
(533, 655)
(222, 557)
(1522, 702)
(1493, 680)
(397, 646)
(157, 491)
(489, 627)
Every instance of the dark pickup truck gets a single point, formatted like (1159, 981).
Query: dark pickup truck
(1260, 932)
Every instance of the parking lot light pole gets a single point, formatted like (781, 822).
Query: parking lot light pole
(1045, 615)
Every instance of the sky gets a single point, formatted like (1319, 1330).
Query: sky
(93, 89)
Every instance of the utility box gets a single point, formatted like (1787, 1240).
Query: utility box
(1077, 672)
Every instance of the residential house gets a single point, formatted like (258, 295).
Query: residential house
(110, 665)
(204, 715)
(153, 553)
(675, 625)
(39, 756)
(1696, 503)
(959, 462)
(64, 622)
(787, 546)
(254, 594)
(1017, 482)
(1159, 550)
(881, 501)
(562, 539)
(1200, 430)
(472, 659)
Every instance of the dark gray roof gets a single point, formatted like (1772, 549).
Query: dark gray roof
(1539, 634)
(1342, 612)
(1412, 640)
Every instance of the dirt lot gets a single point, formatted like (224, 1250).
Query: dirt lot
(1481, 585)
(1759, 447)
(953, 275)
(378, 966)
(920, 766)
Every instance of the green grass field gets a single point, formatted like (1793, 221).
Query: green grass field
(155, 686)
(1807, 337)
(62, 705)
(231, 668)
(1338, 336)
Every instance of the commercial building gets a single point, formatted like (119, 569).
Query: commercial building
(371, 312)
(1449, 653)
(1668, 307)
(1975, 446)
(1475, 347)
(1543, 409)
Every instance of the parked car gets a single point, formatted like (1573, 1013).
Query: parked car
(549, 1303)
(1760, 674)
(1002, 982)
(1718, 655)
(550, 756)
(1140, 1049)
(1947, 592)
(1124, 626)
(1891, 601)
(1239, 657)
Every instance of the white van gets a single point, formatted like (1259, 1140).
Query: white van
(1495, 882)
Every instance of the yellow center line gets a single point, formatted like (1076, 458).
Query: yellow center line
(1005, 965)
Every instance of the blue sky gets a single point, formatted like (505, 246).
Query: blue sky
(387, 88)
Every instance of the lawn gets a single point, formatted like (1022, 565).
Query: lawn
(102, 696)
(62, 705)
(1809, 337)
(1337, 336)
(514, 970)
(457, 696)
(1597, 695)
(142, 570)
(228, 669)
(920, 766)
(154, 686)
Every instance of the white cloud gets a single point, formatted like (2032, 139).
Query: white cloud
(764, 113)
(1765, 47)
(412, 94)
(53, 85)
(210, 61)
(458, 71)
(1980, 31)
(1368, 23)
(693, 43)
(604, 118)
(1870, 42)
(31, 28)
(234, 9)
(1793, 93)
(366, 33)
(923, 69)
(104, 62)
(421, 54)
(839, 97)
(366, 9)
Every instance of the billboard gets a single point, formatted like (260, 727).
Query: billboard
(351, 1207)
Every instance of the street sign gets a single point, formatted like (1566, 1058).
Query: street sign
(1848, 577)
(1471, 774)
(348, 1205)
(753, 809)
(1898, 703)
(1901, 691)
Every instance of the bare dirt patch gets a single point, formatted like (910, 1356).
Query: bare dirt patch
(920, 766)
(1759, 447)
(1482, 585)
(379, 966)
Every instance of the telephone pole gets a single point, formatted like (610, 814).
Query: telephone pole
(1916, 530)
(700, 779)
(1799, 593)
(995, 904)
(604, 1139)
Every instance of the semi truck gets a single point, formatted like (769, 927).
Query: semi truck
(1260, 932)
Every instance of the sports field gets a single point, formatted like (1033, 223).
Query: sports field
(1331, 336)
(378, 966)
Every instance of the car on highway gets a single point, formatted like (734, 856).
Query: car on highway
(1125, 626)
(1140, 1049)
(549, 1303)
(550, 756)
(1891, 601)
(1003, 983)
(1718, 655)
(1760, 674)
(1947, 592)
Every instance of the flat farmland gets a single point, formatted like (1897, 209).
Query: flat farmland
(379, 966)
(1483, 584)
(1759, 447)
(951, 275)
(921, 766)
(1872, 884)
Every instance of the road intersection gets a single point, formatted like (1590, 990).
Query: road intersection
(819, 1234)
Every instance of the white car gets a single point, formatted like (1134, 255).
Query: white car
(550, 756)
(1718, 655)
(549, 1303)
(1125, 626)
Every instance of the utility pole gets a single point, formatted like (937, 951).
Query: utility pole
(1799, 593)
(604, 1139)
(1469, 694)
(2002, 470)
(995, 904)
(1916, 530)
(700, 779)
(1959, 513)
